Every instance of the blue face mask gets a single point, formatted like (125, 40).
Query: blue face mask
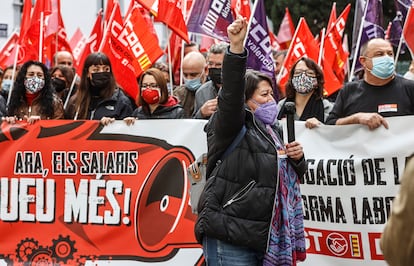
(382, 67)
(267, 112)
(192, 84)
(6, 85)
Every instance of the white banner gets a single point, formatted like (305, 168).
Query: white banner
(347, 192)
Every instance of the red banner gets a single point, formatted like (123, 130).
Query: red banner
(91, 196)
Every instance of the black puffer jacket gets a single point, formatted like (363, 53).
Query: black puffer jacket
(118, 106)
(236, 205)
(2, 106)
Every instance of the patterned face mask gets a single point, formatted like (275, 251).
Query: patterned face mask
(304, 84)
(34, 84)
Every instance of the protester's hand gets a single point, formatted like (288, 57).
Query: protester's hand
(236, 32)
(294, 150)
(107, 120)
(372, 120)
(312, 123)
(32, 119)
(129, 120)
(208, 108)
(9, 119)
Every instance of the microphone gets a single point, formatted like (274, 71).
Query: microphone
(290, 110)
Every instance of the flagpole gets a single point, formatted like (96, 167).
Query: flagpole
(41, 38)
(398, 49)
(72, 85)
(105, 34)
(10, 37)
(56, 44)
(279, 76)
(184, 11)
(405, 22)
(250, 20)
(13, 73)
(169, 60)
(321, 47)
(361, 27)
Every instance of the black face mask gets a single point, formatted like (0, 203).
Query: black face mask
(100, 80)
(215, 75)
(58, 84)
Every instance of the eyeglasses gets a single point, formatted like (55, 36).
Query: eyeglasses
(309, 73)
(151, 85)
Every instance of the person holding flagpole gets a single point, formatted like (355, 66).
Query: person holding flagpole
(32, 97)
(250, 212)
(98, 97)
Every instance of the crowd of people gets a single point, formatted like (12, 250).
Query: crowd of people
(216, 86)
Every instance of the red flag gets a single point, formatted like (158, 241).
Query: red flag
(303, 44)
(108, 10)
(55, 34)
(170, 13)
(77, 43)
(332, 17)
(241, 7)
(118, 52)
(33, 40)
(92, 44)
(175, 54)
(54, 20)
(206, 42)
(286, 30)
(131, 49)
(7, 53)
(25, 22)
(388, 31)
(334, 56)
(408, 29)
(274, 43)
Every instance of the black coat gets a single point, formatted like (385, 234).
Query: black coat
(171, 110)
(2, 106)
(236, 205)
(118, 106)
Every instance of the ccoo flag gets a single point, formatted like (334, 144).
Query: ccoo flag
(258, 43)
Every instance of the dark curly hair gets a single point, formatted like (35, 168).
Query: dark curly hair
(18, 96)
(290, 90)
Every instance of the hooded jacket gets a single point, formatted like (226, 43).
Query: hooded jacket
(170, 110)
(237, 203)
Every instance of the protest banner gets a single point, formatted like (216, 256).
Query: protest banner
(76, 192)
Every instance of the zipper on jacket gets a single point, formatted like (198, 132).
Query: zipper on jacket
(277, 182)
(92, 114)
(239, 194)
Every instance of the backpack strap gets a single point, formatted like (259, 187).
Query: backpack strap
(235, 142)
